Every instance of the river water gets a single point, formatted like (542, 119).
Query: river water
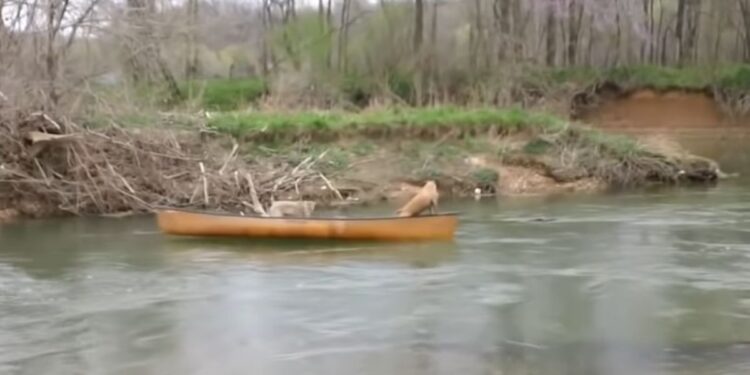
(648, 282)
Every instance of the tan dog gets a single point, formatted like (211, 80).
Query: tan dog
(291, 208)
(426, 198)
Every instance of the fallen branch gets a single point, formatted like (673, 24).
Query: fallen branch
(205, 183)
(330, 186)
(38, 137)
(229, 158)
(124, 181)
(257, 207)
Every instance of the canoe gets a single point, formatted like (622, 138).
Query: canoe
(426, 227)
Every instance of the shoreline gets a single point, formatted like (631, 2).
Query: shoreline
(353, 159)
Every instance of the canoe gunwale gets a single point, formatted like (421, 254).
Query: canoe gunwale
(296, 218)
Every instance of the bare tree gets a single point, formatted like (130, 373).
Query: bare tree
(418, 24)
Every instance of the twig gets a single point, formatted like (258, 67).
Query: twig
(36, 137)
(229, 158)
(98, 200)
(330, 186)
(194, 194)
(41, 170)
(305, 161)
(257, 207)
(176, 175)
(48, 119)
(124, 181)
(205, 183)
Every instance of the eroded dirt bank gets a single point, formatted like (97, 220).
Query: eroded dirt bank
(612, 106)
(705, 121)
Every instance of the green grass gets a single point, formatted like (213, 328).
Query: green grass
(224, 94)
(406, 119)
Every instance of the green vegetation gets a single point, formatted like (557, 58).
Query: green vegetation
(486, 178)
(569, 151)
(225, 94)
(386, 121)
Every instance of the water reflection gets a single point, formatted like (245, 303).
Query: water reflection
(310, 253)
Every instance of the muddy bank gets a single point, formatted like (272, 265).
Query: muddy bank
(52, 168)
(610, 105)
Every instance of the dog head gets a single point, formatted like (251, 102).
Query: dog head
(430, 186)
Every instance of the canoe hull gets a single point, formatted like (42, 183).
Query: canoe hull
(428, 227)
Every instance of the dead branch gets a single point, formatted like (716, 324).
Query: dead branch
(257, 207)
(330, 186)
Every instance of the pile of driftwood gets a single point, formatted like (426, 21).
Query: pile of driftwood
(50, 168)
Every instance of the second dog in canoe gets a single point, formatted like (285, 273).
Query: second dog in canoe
(426, 198)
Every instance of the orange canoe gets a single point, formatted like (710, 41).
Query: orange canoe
(426, 227)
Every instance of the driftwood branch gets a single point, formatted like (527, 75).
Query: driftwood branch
(205, 183)
(330, 186)
(229, 158)
(257, 207)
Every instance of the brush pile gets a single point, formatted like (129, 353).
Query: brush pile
(52, 167)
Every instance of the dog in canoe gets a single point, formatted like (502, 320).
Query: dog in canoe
(291, 208)
(426, 198)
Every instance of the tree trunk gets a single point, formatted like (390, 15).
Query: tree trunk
(745, 15)
(591, 42)
(191, 65)
(680, 30)
(51, 57)
(501, 11)
(329, 27)
(551, 27)
(692, 24)
(519, 25)
(321, 15)
(418, 24)
(432, 65)
(343, 36)
(574, 30)
(618, 44)
(264, 55)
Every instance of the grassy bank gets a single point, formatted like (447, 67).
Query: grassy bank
(559, 149)
(379, 122)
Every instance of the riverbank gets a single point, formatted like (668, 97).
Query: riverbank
(334, 158)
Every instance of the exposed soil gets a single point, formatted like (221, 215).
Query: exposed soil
(515, 180)
(611, 106)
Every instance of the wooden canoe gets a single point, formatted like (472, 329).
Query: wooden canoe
(426, 227)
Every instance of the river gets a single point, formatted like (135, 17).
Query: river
(641, 282)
